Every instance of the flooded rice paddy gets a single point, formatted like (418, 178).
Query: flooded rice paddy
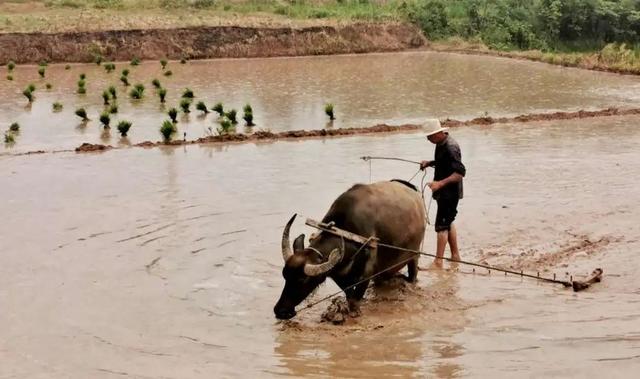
(290, 93)
(165, 263)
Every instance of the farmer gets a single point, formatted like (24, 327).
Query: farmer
(446, 187)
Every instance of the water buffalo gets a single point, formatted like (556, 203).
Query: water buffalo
(391, 211)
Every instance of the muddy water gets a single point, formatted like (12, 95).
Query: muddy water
(165, 263)
(290, 93)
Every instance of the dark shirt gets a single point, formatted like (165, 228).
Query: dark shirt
(448, 160)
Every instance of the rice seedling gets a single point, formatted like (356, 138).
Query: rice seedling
(57, 106)
(185, 104)
(135, 61)
(163, 63)
(105, 119)
(125, 80)
(218, 108)
(156, 83)
(106, 96)
(232, 116)
(31, 87)
(98, 59)
(173, 114)
(9, 77)
(43, 64)
(113, 92)
(125, 72)
(248, 115)
(9, 138)
(14, 127)
(226, 127)
(167, 130)
(83, 76)
(183, 61)
(109, 67)
(11, 65)
(28, 94)
(162, 93)
(82, 113)
(48, 86)
(137, 92)
(139, 87)
(67, 67)
(113, 108)
(82, 90)
(201, 106)
(123, 127)
(168, 73)
(41, 71)
(188, 93)
(82, 86)
(328, 110)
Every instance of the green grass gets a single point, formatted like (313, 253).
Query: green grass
(113, 92)
(163, 63)
(185, 105)
(232, 115)
(105, 120)
(162, 94)
(328, 110)
(219, 109)
(106, 96)
(29, 95)
(9, 138)
(11, 66)
(123, 127)
(135, 61)
(201, 106)
(188, 93)
(41, 71)
(156, 83)
(113, 108)
(248, 115)
(14, 127)
(168, 73)
(125, 80)
(57, 106)
(168, 129)
(82, 113)
(173, 114)
(9, 77)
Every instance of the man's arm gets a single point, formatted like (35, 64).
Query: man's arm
(459, 171)
(425, 164)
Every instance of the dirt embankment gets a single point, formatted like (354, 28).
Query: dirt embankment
(376, 129)
(208, 42)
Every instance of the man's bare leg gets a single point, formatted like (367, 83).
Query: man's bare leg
(453, 243)
(442, 238)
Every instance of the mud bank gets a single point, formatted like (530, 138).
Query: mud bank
(376, 129)
(208, 42)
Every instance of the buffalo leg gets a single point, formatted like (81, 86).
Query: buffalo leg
(412, 270)
(354, 295)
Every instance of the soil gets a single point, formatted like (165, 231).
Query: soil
(208, 42)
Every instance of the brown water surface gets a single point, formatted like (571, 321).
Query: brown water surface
(165, 263)
(290, 93)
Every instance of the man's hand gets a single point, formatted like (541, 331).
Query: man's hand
(435, 186)
(424, 164)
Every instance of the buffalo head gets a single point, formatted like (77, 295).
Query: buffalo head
(304, 270)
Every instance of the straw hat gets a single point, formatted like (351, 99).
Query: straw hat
(432, 126)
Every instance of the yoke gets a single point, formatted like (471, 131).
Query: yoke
(331, 228)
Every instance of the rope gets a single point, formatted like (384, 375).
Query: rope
(370, 158)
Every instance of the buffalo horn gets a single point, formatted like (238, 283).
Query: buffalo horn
(318, 269)
(286, 245)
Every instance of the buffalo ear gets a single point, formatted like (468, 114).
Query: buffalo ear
(298, 243)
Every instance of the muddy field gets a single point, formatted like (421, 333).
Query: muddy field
(183, 283)
(289, 94)
(166, 262)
